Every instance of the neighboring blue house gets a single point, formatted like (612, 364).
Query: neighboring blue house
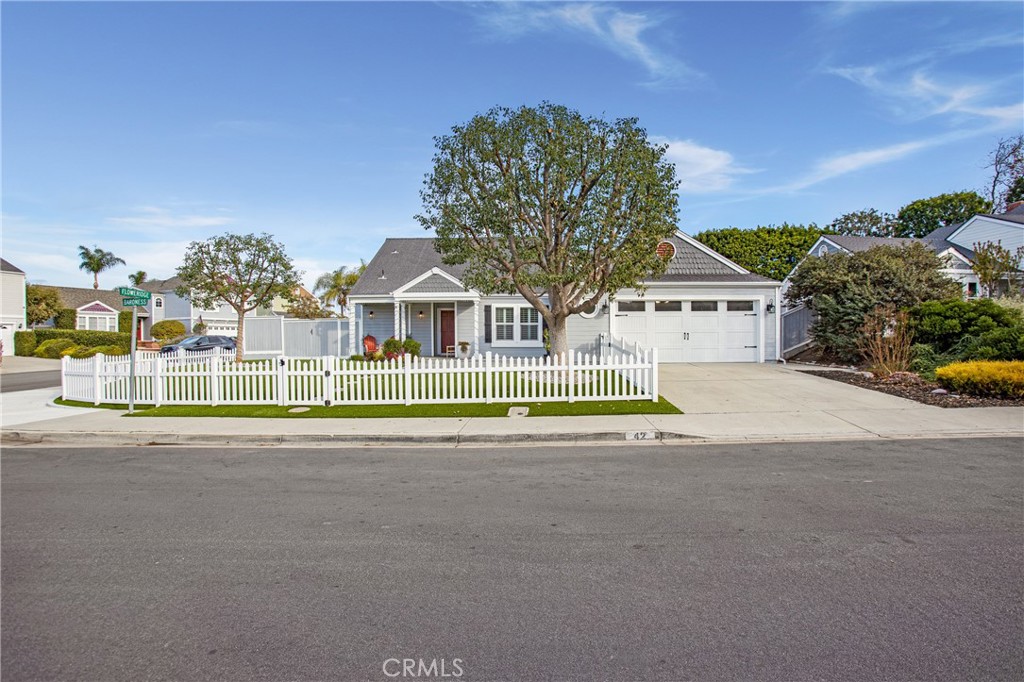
(705, 308)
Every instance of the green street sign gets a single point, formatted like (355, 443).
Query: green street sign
(134, 301)
(134, 293)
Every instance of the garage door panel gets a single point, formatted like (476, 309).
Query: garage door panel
(728, 332)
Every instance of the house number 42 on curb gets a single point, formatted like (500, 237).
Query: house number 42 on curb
(640, 435)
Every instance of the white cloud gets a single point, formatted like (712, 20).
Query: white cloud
(701, 169)
(617, 30)
(918, 95)
(153, 217)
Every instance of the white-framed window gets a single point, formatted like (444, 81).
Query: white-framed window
(529, 324)
(516, 325)
(504, 324)
(158, 302)
(101, 323)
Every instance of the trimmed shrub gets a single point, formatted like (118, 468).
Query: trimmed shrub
(86, 337)
(25, 343)
(167, 330)
(360, 358)
(124, 322)
(944, 324)
(71, 350)
(992, 379)
(106, 350)
(52, 348)
(66, 318)
(411, 346)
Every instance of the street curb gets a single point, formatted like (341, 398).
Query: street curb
(16, 437)
(170, 438)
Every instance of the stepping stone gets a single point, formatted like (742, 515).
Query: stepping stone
(298, 410)
(518, 411)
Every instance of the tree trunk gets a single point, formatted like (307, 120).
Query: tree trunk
(95, 280)
(558, 336)
(240, 337)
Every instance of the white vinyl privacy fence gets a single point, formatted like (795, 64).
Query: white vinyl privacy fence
(216, 379)
(271, 336)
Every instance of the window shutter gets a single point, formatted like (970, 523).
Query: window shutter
(487, 324)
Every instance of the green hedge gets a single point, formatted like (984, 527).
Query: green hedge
(106, 350)
(25, 343)
(124, 321)
(52, 348)
(86, 337)
(67, 318)
(984, 378)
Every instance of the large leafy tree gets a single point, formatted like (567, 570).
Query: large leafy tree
(41, 304)
(843, 288)
(771, 251)
(244, 271)
(543, 200)
(96, 260)
(334, 287)
(1006, 184)
(920, 217)
(867, 222)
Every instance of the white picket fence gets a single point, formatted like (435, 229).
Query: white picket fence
(215, 379)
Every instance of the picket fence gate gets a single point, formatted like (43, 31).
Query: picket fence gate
(215, 379)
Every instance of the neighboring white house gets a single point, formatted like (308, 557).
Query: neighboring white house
(95, 309)
(705, 308)
(12, 304)
(954, 244)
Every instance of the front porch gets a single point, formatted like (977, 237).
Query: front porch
(440, 325)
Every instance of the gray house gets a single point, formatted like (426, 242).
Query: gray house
(705, 308)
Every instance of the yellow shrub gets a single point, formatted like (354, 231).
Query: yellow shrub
(990, 378)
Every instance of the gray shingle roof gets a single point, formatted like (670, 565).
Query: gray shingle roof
(161, 285)
(75, 297)
(402, 260)
(5, 266)
(435, 283)
(856, 244)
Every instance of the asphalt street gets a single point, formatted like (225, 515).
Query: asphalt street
(26, 381)
(861, 560)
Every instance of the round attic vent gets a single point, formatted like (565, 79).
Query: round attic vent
(666, 250)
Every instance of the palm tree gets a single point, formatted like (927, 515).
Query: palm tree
(137, 278)
(334, 287)
(96, 260)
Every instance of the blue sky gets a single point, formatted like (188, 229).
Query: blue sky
(140, 127)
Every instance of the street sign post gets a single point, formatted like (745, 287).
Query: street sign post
(133, 297)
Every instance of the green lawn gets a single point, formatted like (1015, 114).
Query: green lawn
(552, 409)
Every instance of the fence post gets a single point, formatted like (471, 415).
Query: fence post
(654, 374)
(158, 384)
(488, 379)
(282, 380)
(407, 379)
(64, 377)
(97, 360)
(571, 386)
(215, 379)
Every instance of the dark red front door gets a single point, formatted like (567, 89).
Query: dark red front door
(447, 331)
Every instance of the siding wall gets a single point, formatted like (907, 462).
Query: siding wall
(12, 297)
(984, 230)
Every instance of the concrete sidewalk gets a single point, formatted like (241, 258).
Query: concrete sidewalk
(31, 421)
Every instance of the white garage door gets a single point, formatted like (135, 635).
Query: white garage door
(692, 331)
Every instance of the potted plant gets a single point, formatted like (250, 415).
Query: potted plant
(464, 349)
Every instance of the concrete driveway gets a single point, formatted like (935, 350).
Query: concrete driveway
(714, 388)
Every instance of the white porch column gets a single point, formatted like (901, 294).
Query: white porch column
(398, 319)
(476, 326)
(352, 331)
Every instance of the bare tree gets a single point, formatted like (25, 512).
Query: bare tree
(1007, 164)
